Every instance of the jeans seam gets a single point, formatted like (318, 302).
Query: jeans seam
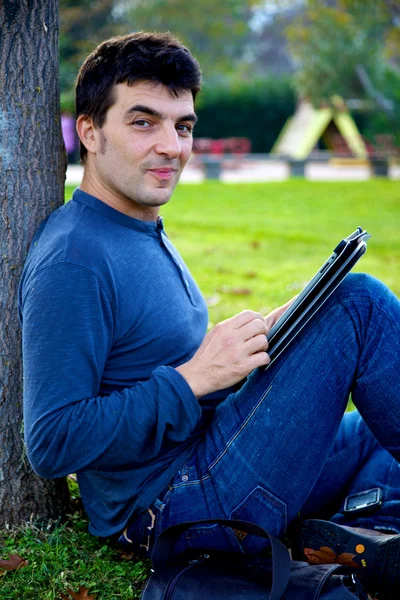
(243, 425)
(352, 445)
(389, 477)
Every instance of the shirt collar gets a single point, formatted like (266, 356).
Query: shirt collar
(115, 215)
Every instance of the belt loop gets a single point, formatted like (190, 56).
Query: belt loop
(149, 531)
(158, 504)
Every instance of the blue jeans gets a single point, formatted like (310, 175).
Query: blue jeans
(282, 449)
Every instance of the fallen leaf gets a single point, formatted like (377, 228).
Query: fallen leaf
(82, 594)
(234, 291)
(255, 244)
(127, 555)
(240, 291)
(13, 563)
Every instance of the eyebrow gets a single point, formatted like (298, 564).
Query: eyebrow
(142, 108)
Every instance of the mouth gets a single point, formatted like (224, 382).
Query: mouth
(163, 173)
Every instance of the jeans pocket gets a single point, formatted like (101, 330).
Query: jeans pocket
(266, 510)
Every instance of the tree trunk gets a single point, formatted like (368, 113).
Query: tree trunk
(32, 173)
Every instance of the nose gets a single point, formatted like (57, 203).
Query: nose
(168, 142)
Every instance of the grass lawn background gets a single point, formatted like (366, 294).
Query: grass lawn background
(256, 245)
(249, 246)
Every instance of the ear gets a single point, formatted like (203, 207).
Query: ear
(87, 133)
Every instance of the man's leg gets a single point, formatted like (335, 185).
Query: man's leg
(357, 463)
(268, 443)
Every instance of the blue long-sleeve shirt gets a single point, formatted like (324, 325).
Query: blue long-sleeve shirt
(108, 309)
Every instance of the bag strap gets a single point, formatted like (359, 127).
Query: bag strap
(163, 549)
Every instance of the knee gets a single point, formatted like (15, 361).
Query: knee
(361, 284)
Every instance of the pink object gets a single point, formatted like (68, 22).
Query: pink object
(68, 131)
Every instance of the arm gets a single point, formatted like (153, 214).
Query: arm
(68, 327)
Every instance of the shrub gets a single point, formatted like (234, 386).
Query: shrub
(253, 109)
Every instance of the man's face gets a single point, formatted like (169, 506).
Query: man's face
(140, 151)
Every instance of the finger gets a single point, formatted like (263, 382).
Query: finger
(275, 314)
(259, 343)
(246, 316)
(272, 317)
(256, 327)
(259, 359)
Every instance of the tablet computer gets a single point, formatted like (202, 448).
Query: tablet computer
(316, 292)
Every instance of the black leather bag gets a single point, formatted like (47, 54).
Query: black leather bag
(219, 576)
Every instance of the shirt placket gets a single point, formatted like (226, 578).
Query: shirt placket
(175, 258)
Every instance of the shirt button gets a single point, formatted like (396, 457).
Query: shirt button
(185, 477)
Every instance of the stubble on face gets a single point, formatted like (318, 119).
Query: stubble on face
(103, 142)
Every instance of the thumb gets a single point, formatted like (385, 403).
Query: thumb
(272, 317)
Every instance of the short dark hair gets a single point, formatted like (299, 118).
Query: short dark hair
(157, 57)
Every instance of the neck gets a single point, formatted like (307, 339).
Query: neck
(92, 186)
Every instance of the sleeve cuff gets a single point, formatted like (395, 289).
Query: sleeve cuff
(184, 390)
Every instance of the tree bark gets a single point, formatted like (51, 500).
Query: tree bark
(32, 174)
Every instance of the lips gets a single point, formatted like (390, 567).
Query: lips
(162, 172)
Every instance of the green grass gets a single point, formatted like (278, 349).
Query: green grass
(268, 240)
(65, 556)
(249, 246)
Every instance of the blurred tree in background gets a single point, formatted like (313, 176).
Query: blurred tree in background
(252, 51)
(216, 32)
(332, 40)
(83, 25)
(267, 51)
(256, 109)
(350, 48)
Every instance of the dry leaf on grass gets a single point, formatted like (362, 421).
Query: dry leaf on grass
(82, 594)
(125, 555)
(13, 563)
(240, 291)
(234, 291)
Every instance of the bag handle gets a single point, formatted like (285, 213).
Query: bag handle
(164, 547)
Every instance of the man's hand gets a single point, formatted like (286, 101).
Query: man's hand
(230, 351)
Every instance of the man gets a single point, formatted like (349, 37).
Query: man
(162, 422)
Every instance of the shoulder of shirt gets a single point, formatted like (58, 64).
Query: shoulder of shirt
(76, 235)
(66, 240)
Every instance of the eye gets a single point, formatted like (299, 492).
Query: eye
(184, 128)
(143, 123)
